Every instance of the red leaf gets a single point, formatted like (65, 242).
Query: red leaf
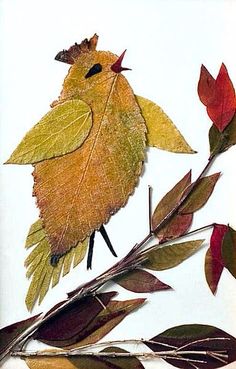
(9, 333)
(214, 263)
(206, 86)
(63, 328)
(222, 108)
(217, 236)
(141, 281)
(176, 227)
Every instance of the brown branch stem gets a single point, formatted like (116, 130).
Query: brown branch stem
(131, 261)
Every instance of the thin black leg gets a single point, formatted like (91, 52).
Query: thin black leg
(107, 240)
(90, 251)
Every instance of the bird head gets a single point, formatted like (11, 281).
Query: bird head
(92, 72)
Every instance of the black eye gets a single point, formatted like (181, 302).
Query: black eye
(96, 68)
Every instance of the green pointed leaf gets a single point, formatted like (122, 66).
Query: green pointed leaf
(200, 194)
(61, 131)
(167, 257)
(222, 141)
(141, 281)
(162, 133)
(229, 251)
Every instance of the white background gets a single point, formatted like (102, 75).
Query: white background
(166, 42)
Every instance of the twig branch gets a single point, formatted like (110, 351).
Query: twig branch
(131, 261)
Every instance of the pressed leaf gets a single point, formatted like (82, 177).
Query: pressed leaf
(229, 251)
(78, 192)
(206, 86)
(141, 281)
(50, 363)
(222, 109)
(221, 141)
(9, 333)
(196, 337)
(213, 271)
(168, 257)
(162, 133)
(40, 269)
(85, 362)
(164, 207)
(35, 235)
(63, 329)
(176, 227)
(200, 194)
(106, 320)
(59, 132)
(108, 362)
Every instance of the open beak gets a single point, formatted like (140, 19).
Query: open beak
(117, 67)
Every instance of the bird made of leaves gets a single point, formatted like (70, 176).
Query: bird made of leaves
(88, 150)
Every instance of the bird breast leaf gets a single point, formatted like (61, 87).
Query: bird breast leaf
(61, 131)
(78, 192)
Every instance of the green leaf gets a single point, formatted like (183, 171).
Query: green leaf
(141, 281)
(200, 194)
(61, 131)
(162, 133)
(39, 267)
(222, 141)
(229, 251)
(167, 257)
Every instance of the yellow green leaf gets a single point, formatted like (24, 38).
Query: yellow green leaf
(78, 192)
(42, 272)
(36, 234)
(162, 133)
(168, 257)
(61, 131)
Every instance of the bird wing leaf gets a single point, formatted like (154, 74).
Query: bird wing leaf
(161, 131)
(62, 130)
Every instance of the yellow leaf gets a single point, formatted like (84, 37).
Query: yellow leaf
(39, 268)
(78, 192)
(49, 363)
(60, 131)
(162, 133)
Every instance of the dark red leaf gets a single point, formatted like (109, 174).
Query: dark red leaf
(229, 251)
(141, 281)
(222, 108)
(213, 271)
(9, 333)
(195, 337)
(62, 329)
(206, 86)
(176, 227)
(214, 264)
(217, 236)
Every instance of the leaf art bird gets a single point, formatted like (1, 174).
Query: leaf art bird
(88, 150)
